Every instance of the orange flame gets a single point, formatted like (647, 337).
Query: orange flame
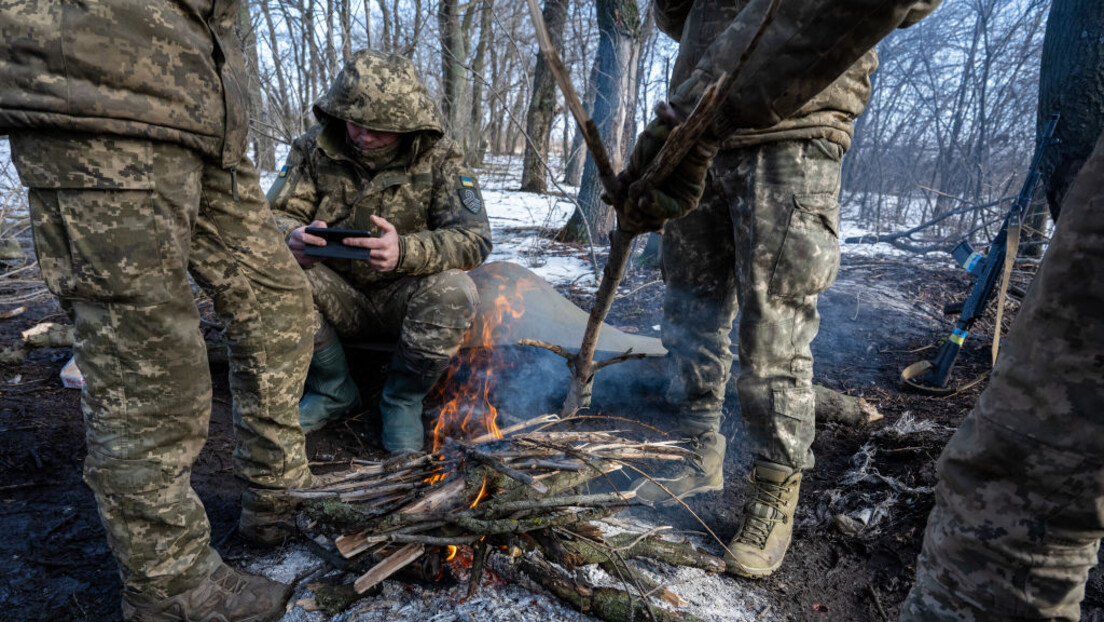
(451, 553)
(482, 493)
(467, 409)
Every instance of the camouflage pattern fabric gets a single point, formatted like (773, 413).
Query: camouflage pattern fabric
(427, 315)
(807, 46)
(118, 223)
(828, 115)
(433, 201)
(1017, 520)
(766, 235)
(166, 70)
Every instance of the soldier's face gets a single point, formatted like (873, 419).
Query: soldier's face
(366, 139)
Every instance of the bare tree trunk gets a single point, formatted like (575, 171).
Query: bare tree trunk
(345, 18)
(385, 33)
(287, 124)
(477, 144)
(577, 156)
(538, 121)
(452, 66)
(1071, 81)
(619, 32)
(264, 152)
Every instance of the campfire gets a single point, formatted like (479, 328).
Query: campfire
(522, 492)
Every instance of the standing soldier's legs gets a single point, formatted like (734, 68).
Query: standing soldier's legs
(699, 305)
(1017, 518)
(112, 221)
(263, 300)
(786, 215)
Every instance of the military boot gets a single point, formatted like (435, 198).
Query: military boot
(330, 392)
(684, 479)
(225, 596)
(401, 407)
(766, 526)
(267, 517)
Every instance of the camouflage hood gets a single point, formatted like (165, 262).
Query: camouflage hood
(381, 92)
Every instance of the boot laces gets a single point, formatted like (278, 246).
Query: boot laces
(756, 529)
(231, 582)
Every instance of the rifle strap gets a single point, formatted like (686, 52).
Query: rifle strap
(1009, 261)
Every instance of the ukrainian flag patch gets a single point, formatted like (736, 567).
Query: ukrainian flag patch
(467, 182)
(283, 171)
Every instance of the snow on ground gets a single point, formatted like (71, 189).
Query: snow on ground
(521, 222)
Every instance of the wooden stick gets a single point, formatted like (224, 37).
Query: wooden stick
(501, 467)
(524, 425)
(401, 558)
(479, 555)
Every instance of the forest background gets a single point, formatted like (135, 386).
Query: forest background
(950, 126)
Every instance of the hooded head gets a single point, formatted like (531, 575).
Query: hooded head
(381, 92)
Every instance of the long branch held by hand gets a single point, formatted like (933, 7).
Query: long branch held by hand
(674, 149)
(686, 134)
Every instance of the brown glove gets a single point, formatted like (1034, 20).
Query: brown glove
(647, 209)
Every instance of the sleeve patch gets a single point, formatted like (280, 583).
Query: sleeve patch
(284, 171)
(470, 197)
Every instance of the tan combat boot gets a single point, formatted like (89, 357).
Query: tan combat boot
(225, 596)
(766, 527)
(687, 478)
(267, 517)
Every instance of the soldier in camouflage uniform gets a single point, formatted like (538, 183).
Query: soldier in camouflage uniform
(765, 234)
(132, 148)
(768, 231)
(1017, 520)
(379, 160)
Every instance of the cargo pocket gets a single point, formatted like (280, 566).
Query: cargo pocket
(115, 247)
(809, 258)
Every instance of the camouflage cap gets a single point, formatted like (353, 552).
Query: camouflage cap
(381, 92)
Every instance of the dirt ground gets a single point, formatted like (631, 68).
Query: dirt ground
(858, 530)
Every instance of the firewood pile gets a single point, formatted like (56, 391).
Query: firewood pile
(518, 493)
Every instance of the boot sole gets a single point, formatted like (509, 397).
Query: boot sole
(738, 569)
(674, 501)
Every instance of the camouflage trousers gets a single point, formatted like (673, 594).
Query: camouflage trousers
(1019, 508)
(118, 225)
(765, 235)
(427, 315)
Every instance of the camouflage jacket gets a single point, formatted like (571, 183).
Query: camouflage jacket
(695, 24)
(166, 70)
(425, 192)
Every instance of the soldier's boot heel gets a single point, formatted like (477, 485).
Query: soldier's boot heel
(267, 517)
(330, 391)
(685, 479)
(766, 526)
(227, 595)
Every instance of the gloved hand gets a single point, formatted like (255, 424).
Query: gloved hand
(648, 208)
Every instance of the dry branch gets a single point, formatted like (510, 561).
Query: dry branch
(518, 491)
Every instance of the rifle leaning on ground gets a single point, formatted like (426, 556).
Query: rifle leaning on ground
(931, 376)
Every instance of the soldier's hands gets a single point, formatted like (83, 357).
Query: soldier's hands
(300, 239)
(647, 209)
(385, 248)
